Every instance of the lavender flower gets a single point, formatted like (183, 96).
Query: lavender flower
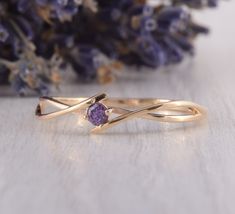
(39, 38)
(3, 34)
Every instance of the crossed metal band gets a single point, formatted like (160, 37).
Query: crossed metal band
(126, 108)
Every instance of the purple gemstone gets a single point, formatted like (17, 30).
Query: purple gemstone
(96, 114)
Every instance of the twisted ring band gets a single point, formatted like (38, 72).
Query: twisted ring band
(104, 112)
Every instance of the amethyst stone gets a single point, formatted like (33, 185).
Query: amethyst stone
(96, 114)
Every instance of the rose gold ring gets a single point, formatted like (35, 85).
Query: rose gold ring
(104, 112)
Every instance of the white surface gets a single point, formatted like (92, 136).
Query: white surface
(141, 166)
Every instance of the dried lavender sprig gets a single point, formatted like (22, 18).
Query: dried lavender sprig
(92, 37)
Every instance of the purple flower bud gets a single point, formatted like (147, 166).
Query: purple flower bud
(4, 35)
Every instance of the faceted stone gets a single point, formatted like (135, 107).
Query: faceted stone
(96, 114)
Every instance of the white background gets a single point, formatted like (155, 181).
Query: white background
(140, 166)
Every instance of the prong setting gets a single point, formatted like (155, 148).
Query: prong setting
(109, 111)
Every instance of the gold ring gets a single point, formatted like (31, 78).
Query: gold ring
(104, 112)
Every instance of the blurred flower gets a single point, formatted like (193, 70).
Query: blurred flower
(3, 34)
(40, 38)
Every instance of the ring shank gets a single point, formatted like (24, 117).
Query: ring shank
(118, 102)
(153, 109)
